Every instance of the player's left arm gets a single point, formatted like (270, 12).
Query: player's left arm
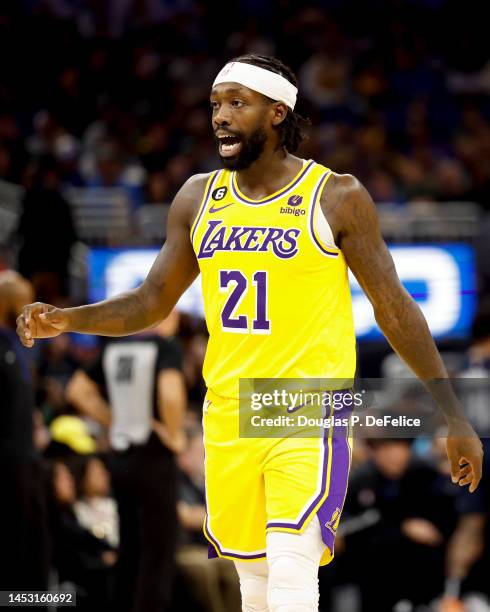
(354, 221)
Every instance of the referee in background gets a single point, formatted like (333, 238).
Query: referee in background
(137, 390)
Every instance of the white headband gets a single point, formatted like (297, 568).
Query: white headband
(264, 81)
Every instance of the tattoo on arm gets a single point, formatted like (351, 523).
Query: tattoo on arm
(172, 272)
(358, 234)
(119, 316)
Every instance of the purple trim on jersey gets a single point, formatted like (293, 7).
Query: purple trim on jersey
(204, 202)
(312, 216)
(273, 197)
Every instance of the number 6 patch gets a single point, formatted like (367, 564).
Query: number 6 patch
(219, 193)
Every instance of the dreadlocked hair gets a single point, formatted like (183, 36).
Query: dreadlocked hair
(292, 128)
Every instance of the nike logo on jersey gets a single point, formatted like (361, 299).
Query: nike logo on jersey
(213, 209)
(218, 237)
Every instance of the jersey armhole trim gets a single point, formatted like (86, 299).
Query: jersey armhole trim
(320, 231)
(204, 201)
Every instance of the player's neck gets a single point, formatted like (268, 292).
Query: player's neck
(272, 171)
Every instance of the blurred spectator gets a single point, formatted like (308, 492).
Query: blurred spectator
(46, 131)
(468, 554)
(414, 178)
(408, 512)
(474, 380)
(55, 367)
(66, 152)
(111, 172)
(214, 583)
(451, 180)
(158, 189)
(383, 188)
(46, 233)
(12, 151)
(41, 435)
(80, 556)
(95, 509)
(479, 352)
(196, 341)
(324, 80)
(144, 95)
(155, 146)
(5, 164)
(137, 390)
(24, 561)
(69, 435)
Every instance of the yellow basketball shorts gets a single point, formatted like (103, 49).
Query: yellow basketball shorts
(256, 485)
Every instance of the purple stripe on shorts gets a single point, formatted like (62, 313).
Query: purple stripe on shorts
(273, 197)
(330, 510)
(339, 471)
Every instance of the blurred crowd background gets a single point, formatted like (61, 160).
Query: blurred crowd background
(104, 113)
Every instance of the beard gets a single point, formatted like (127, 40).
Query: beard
(250, 151)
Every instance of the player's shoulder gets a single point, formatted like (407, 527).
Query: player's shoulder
(341, 187)
(195, 184)
(345, 201)
(188, 199)
(343, 193)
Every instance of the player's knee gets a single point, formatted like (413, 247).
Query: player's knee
(292, 584)
(253, 586)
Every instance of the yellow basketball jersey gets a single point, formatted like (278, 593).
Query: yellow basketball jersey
(275, 286)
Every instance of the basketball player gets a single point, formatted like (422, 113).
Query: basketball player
(273, 236)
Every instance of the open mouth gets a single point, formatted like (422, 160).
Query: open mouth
(229, 145)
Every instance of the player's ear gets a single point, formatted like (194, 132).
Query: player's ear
(279, 112)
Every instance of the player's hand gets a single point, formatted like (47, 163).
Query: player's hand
(421, 531)
(40, 320)
(465, 454)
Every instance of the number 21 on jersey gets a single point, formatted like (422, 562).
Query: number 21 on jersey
(240, 323)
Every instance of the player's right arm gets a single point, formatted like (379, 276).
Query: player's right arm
(144, 307)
